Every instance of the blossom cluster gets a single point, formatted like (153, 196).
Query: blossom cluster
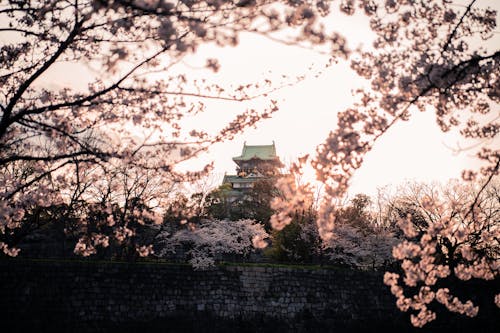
(459, 239)
(213, 238)
(293, 198)
(351, 246)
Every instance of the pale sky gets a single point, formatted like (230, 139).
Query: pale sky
(415, 150)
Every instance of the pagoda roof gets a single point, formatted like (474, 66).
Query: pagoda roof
(238, 179)
(263, 152)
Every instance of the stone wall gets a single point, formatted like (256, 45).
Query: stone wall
(79, 296)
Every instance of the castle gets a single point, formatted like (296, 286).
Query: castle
(256, 162)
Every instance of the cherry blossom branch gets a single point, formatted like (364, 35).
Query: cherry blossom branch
(24, 31)
(21, 70)
(7, 120)
(56, 157)
(494, 171)
(40, 177)
(454, 32)
(187, 94)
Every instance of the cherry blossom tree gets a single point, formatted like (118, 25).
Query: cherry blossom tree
(134, 104)
(121, 203)
(458, 242)
(429, 56)
(358, 239)
(352, 247)
(101, 206)
(213, 238)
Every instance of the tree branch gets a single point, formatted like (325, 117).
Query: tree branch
(79, 102)
(454, 32)
(7, 120)
(488, 180)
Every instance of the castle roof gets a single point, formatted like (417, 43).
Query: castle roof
(238, 179)
(263, 152)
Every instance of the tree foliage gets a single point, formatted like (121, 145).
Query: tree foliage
(357, 239)
(299, 241)
(458, 242)
(211, 239)
(218, 203)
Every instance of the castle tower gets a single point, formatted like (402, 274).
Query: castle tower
(256, 162)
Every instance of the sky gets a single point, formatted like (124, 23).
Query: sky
(410, 151)
(414, 150)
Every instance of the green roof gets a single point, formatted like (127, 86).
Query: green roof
(263, 152)
(237, 179)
